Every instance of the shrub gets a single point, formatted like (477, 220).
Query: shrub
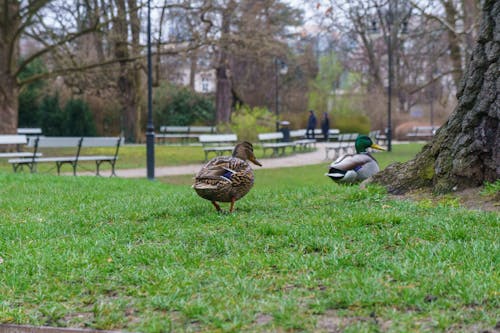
(51, 116)
(74, 120)
(78, 119)
(29, 114)
(354, 123)
(247, 122)
(182, 107)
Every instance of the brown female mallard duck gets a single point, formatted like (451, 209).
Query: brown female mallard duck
(227, 178)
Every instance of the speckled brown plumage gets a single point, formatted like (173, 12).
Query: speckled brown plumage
(227, 178)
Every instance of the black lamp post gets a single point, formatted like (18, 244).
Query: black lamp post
(150, 134)
(280, 68)
(390, 16)
(390, 74)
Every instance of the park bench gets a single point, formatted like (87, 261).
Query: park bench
(333, 134)
(274, 142)
(184, 134)
(343, 144)
(378, 137)
(300, 140)
(217, 143)
(71, 142)
(422, 132)
(14, 140)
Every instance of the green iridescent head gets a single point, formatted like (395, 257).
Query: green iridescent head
(364, 142)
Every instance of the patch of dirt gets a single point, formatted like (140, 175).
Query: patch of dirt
(471, 198)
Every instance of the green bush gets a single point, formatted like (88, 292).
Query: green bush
(182, 107)
(247, 122)
(51, 116)
(78, 119)
(74, 120)
(29, 96)
(354, 123)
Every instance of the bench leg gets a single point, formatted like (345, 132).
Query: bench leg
(97, 165)
(32, 167)
(16, 166)
(19, 166)
(113, 168)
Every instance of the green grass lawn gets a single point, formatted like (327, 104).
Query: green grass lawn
(134, 156)
(300, 254)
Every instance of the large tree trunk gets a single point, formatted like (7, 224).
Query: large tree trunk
(224, 96)
(466, 150)
(128, 77)
(9, 50)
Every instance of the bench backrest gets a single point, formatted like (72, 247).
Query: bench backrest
(202, 129)
(55, 142)
(270, 136)
(174, 129)
(347, 137)
(13, 139)
(102, 141)
(298, 133)
(333, 131)
(29, 131)
(218, 138)
(188, 129)
(374, 134)
(425, 129)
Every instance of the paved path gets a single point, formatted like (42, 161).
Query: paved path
(314, 157)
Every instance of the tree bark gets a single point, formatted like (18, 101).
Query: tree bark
(128, 78)
(10, 22)
(465, 151)
(223, 97)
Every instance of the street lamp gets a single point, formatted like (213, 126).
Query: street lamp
(280, 68)
(150, 134)
(391, 15)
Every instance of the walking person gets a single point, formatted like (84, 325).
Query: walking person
(311, 124)
(325, 126)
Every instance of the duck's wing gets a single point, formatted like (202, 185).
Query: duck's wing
(214, 169)
(351, 162)
(224, 169)
(347, 167)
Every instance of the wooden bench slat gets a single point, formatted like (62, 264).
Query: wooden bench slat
(7, 139)
(29, 131)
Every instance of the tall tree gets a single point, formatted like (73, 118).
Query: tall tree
(50, 25)
(10, 24)
(465, 152)
(224, 96)
(127, 45)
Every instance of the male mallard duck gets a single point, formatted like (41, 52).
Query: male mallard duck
(227, 178)
(353, 168)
